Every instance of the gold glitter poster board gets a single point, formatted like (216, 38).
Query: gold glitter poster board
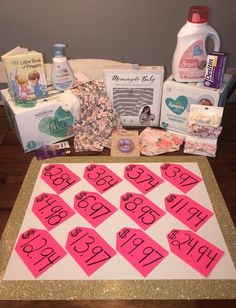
(61, 289)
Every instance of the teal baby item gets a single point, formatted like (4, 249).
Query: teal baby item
(177, 105)
(58, 125)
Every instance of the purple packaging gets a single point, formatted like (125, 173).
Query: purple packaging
(215, 69)
(53, 150)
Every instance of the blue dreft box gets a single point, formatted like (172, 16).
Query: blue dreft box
(215, 69)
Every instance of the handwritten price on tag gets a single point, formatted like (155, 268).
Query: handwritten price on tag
(140, 250)
(180, 177)
(59, 177)
(51, 210)
(194, 250)
(88, 249)
(188, 211)
(38, 250)
(101, 177)
(93, 207)
(139, 208)
(142, 178)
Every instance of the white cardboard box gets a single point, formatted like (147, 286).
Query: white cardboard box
(178, 96)
(46, 123)
(135, 92)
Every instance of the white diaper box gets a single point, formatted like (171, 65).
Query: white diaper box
(178, 96)
(48, 122)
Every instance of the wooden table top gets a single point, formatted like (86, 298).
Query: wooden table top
(14, 165)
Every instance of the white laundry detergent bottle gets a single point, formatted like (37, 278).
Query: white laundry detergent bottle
(62, 75)
(189, 61)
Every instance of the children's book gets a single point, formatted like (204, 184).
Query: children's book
(26, 75)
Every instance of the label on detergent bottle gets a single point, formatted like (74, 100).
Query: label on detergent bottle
(193, 62)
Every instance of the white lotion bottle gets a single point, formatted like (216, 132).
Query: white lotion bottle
(189, 60)
(62, 75)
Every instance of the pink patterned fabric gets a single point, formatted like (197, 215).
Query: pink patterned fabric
(203, 131)
(98, 118)
(192, 146)
(155, 141)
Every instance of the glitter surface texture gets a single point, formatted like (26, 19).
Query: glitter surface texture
(113, 289)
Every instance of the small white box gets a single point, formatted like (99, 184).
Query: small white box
(46, 123)
(135, 92)
(178, 96)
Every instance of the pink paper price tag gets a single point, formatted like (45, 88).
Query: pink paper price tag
(51, 210)
(188, 211)
(140, 250)
(59, 177)
(88, 249)
(142, 178)
(179, 176)
(101, 177)
(139, 208)
(93, 207)
(38, 250)
(194, 250)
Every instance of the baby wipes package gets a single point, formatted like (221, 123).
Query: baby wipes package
(177, 98)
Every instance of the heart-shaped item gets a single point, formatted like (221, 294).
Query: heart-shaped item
(58, 125)
(164, 124)
(179, 105)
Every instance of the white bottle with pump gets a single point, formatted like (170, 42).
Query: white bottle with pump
(189, 61)
(62, 75)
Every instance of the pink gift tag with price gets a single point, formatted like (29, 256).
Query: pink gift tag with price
(140, 250)
(93, 207)
(179, 176)
(38, 250)
(188, 211)
(194, 250)
(88, 249)
(51, 210)
(142, 178)
(59, 177)
(101, 177)
(139, 208)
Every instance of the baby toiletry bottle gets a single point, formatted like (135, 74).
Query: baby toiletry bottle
(62, 75)
(189, 61)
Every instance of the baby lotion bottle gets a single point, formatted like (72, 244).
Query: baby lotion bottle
(62, 75)
(189, 61)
